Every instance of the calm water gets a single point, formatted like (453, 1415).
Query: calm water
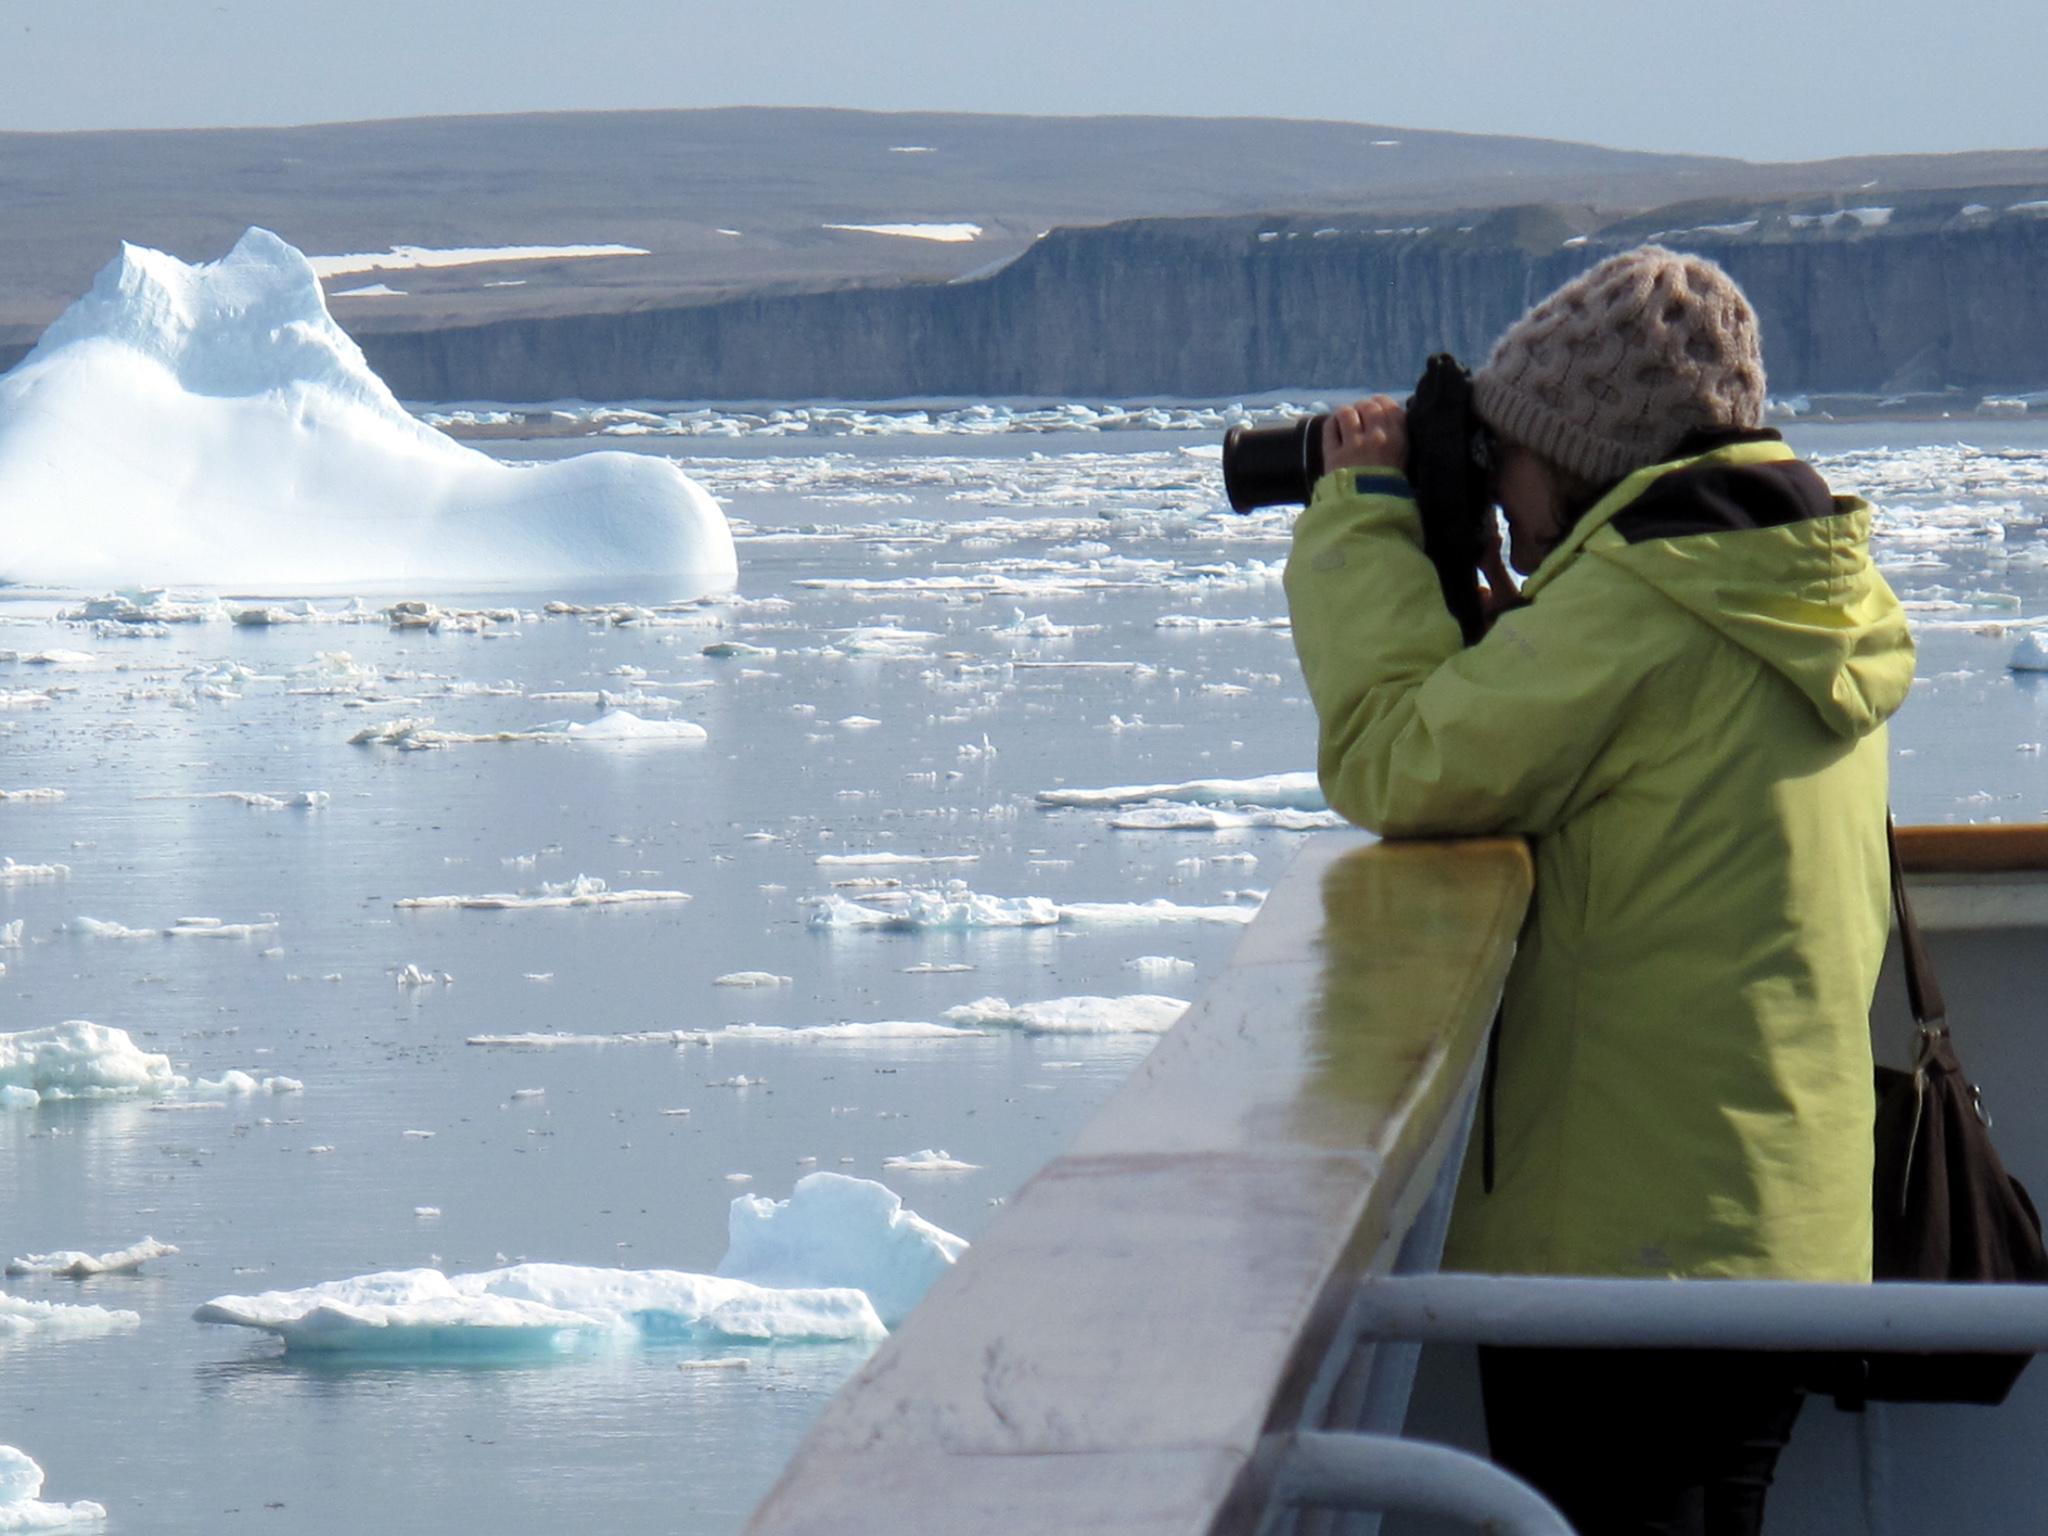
(179, 1427)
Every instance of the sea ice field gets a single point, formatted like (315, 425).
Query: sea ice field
(443, 988)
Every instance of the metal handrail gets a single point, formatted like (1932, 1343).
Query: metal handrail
(1548, 1311)
(1379, 1472)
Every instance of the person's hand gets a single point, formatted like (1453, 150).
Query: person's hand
(1371, 434)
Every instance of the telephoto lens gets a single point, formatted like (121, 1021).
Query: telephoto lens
(1273, 466)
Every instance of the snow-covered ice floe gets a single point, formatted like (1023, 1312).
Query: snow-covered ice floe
(930, 1160)
(22, 1507)
(1293, 791)
(534, 1040)
(1216, 818)
(212, 425)
(22, 1320)
(74, 1264)
(583, 891)
(2031, 654)
(958, 909)
(614, 725)
(1140, 1014)
(82, 1060)
(851, 1033)
(183, 928)
(840, 1260)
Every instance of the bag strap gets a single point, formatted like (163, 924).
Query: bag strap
(1930, 1012)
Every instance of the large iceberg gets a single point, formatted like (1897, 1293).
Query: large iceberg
(211, 425)
(840, 1260)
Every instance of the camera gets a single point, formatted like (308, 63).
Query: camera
(1451, 456)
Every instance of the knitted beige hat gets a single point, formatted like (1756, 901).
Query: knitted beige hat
(1610, 371)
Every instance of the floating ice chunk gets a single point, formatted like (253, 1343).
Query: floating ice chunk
(930, 1161)
(1038, 626)
(583, 891)
(1096, 914)
(935, 968)
(1212, 818)
(855, 1033)
(2031, 654)
(1159, 965)
(751, 979)
(938, 909)
(539, 1041)
(21, 1508)
(614, 725)
(1206, 624)
(857, 860)
(12, 873)
(212, 424)
(37, 1321)
(622, 725)
(72, 1264)
(81, 1060)
(835, 1230)
(142, 607)
(256, 800)
(830, 1263)
(540, 1307)
(729, 648)
(214, 928)
(1296, 791)
(1139, 1014)
(236, 1084)
(97, 928)
(412, 976)
(884, 641)
(957, 908)
(31, 794)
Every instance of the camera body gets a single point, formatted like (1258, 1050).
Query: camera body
(1451, 462)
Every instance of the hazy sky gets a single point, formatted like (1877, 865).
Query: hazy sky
(1797, 80)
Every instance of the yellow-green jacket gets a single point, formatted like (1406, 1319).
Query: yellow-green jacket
(1688, 722)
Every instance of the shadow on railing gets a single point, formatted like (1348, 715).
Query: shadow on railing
(1133, 1343)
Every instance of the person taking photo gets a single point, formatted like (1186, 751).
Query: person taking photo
(1683, 709)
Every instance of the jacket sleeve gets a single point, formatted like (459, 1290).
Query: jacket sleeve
(1421, 736)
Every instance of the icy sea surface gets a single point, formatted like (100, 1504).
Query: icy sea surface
(929, 632)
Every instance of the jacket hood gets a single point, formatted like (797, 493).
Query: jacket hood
(1749, 540)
